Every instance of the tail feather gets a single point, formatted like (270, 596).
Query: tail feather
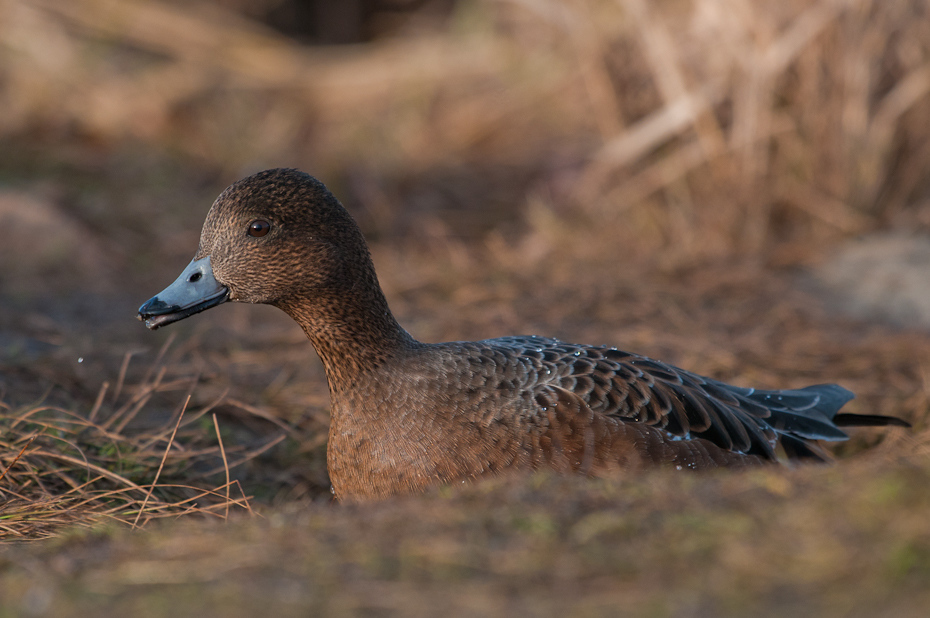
(811, 413)
(805, 412)
(868, 420)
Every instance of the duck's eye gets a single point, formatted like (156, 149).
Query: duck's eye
(258, 228)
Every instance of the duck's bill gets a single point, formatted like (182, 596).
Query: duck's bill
(194, 291)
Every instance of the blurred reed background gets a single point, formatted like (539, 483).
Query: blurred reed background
(694, 129)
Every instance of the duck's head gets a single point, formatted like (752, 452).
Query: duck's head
(277, 237)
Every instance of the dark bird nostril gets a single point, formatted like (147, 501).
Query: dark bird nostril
(194, 278)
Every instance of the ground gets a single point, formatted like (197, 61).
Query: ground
(498, 199)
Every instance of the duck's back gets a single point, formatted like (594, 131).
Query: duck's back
(459, 410)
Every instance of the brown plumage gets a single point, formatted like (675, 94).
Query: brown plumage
(407, 415)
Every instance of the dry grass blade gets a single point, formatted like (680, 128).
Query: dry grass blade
(249, 455)
(86, 465)
(121, 378)
(42, 518)
(162, 464)
(257, 412)
(99, 402)
(139, 402)
(219, 438)
(20, 454)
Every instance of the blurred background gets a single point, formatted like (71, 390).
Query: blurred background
(693, 130)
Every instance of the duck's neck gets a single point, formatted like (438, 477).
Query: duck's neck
(354, 332)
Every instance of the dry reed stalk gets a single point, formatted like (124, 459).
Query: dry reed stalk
(639, 139)
(669, 74)
(730, 75)
(591, 49)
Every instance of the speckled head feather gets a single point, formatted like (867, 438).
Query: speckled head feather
(313, 263)
(407, 415)
(312, 246)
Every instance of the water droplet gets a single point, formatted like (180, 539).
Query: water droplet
(80, 359)
(578, 353)
(678, 467)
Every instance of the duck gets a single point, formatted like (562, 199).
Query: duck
(408, 415)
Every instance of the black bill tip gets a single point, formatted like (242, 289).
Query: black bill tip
(157, 313)
(195, 290)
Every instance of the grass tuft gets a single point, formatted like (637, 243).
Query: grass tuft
(70, 469)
